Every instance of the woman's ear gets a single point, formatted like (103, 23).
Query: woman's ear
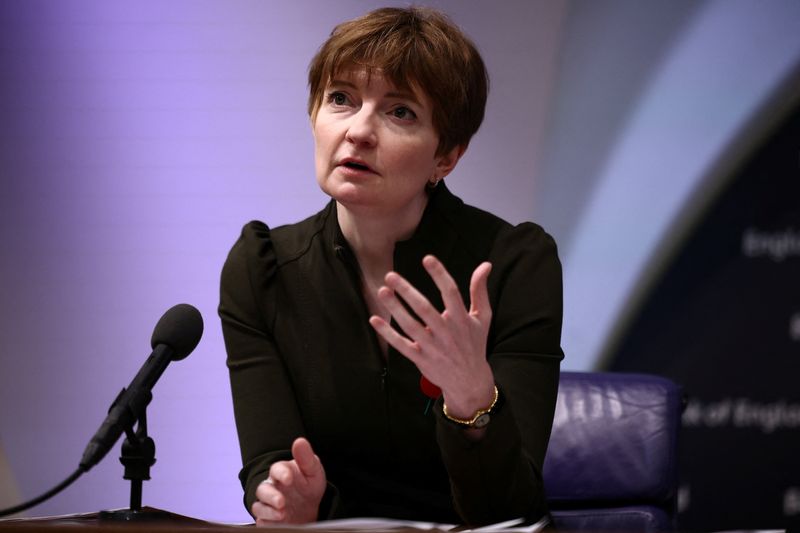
(446, 162)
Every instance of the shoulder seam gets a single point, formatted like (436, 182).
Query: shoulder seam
(297, 254)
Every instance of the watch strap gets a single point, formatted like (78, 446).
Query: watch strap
(481, 417)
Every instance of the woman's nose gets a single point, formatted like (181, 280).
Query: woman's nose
(362, 127)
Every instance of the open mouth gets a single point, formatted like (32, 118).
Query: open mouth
(357, 166)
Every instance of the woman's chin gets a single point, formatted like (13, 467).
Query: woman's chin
(351, 194)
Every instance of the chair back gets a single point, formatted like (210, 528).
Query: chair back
(611, 462)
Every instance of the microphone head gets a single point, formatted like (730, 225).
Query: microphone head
(180, 328)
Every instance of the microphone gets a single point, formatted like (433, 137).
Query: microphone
(175, 336)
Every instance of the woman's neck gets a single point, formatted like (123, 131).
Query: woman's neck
(372, 237)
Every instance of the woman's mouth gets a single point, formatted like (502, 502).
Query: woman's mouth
(357, 166)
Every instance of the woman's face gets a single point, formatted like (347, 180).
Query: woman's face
(376, 145)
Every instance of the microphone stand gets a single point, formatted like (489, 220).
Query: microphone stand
(138, 455)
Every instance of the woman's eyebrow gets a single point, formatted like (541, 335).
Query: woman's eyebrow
(339, 83)
(405, 96)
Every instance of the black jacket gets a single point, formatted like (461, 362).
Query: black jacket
(304, 360)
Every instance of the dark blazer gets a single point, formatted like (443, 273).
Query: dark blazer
(304, 360)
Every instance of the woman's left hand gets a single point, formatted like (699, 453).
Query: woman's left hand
(448, 348)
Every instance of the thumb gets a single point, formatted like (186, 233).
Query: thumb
(304, 456)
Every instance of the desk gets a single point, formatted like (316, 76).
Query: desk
(92, 522)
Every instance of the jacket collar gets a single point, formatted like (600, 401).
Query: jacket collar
(437, 234)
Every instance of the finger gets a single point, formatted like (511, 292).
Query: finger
(412, 327)
(264, 514)
(480, 306)
(453, 302)
(415, 300)
(282, 473)
(308, 463)
(268, 494)
(408, 348)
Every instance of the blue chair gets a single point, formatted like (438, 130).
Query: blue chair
(612, 459)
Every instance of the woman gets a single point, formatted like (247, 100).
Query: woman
(363, 384)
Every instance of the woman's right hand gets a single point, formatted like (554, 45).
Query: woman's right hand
(292, 492)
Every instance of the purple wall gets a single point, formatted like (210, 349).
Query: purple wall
(136, 140)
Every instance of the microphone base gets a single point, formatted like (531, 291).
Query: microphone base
(145, 514)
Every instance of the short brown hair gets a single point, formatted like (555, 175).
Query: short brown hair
(413, 48)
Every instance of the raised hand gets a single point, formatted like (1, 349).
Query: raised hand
(292, 492)
(448, 348)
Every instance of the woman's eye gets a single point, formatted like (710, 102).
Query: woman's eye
(404, 113)
(337, 98)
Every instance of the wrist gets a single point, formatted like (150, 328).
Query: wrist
(471, 396)
(479, 418)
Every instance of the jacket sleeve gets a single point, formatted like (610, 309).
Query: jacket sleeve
(266, 412)
(499, 477)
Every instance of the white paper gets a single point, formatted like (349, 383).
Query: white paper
(388, 524)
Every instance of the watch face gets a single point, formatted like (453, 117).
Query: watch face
(481, 421)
